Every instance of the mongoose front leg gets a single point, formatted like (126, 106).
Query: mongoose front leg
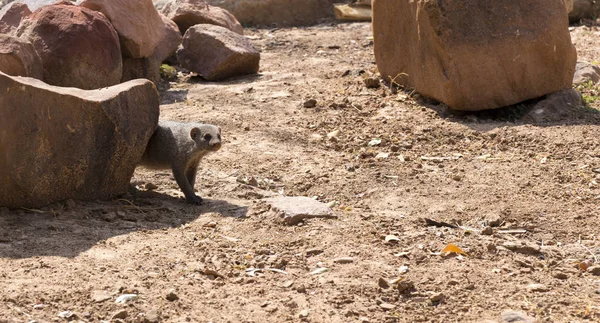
(191, 176)
(186, 187)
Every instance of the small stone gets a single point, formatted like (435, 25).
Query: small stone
(390, 238)
(304, 313)
(288, 283)
(403, 270)
(488, 231)
(560, 275)
(372, 83)
(515, 317)
(67, 315)
(594, 270)
(301, 289)
(457, 177)
(310, 103)
(100, 296)
(437, 297)
(171, 296)
(344, 260)
(313, 252)
(394, 148)
(528, 249)
(150, 186)
(152, 316)
(315, 137)
(333, 136)
(453, 282)
(387, 306)
(121, 314)
(495, 221)
(383, 283)
(538, 288)
(125, 298)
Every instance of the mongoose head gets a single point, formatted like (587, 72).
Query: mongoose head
(207, 137)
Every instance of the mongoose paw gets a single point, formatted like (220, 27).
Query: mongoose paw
(196, 200)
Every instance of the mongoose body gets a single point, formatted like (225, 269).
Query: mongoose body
(180, 147)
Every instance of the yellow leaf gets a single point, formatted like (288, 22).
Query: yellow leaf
(451, 247)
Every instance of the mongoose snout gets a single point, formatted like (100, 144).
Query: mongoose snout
(180, 147)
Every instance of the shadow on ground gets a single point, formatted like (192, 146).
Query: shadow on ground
(66, 230)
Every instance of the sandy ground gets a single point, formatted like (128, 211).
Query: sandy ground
(521, 199)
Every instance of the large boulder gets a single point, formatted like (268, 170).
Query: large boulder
(281, 13)
(217, 53)
(19, 58)
(149, 67)
(475, 54)
(187, 13)
(583, 9)
(137, 22)
(78, 46)
(11, 16)
(66, 143)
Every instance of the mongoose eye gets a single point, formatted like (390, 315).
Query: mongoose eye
(207, 137)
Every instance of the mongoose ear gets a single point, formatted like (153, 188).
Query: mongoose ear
(194, 132)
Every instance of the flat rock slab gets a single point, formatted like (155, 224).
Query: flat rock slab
(296, 209)
(65, 143)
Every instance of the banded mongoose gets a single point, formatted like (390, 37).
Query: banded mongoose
(180, 146)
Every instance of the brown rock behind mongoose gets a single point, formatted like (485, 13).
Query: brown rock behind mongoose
(180, 147)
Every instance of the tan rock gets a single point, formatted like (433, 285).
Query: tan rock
(78, 46)
(586, 72)
(187, 13)
(66, 143)
(149, 67)
(478, 54)
(217, 53)
(137, 22)
(281, 13)
(19, 58)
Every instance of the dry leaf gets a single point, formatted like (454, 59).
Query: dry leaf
(451, 247)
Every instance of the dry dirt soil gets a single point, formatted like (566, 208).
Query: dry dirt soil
(521, 199)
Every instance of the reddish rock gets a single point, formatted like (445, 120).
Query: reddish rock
(78, 46)
(36, 4)
(149, 68)
(187, 13)
(19, 58)
(137, 22)
(217, 53)
(475, 54)
(66, 143)
(11, 16)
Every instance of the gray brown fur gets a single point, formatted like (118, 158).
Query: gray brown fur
(180, 147)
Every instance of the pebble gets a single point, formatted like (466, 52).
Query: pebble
(343, 260)
(122, 314)
(488, 231)
(511, 316)
(304, 313)
(387, 306)
(560, 275)
(333, 136)
(437, 297)
(100, 296)
(594, 270)
(125, 298)
(313, 252)
(538, 288)
(310, 103)
(391, 239)
(288, 283)
(172, 296)
(372, 83)
(152, 316)
(403, 269)
(528, 249)
(66, 315)
(383, 283)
